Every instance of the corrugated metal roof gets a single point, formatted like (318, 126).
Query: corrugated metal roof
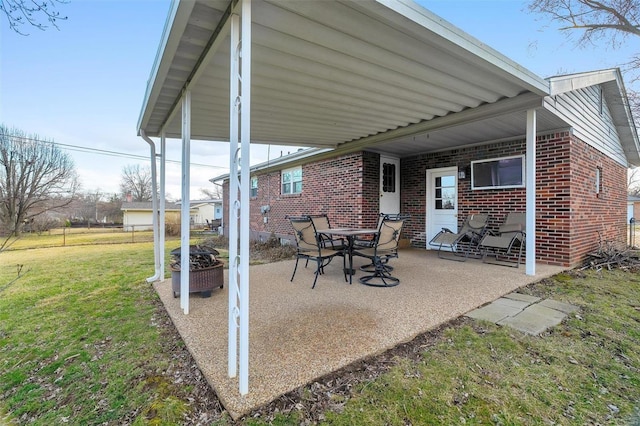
(329, 73)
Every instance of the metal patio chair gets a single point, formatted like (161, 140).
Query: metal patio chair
(384, 248)
(321, 221)
(510, 237)
(462, 242)
(311, 248)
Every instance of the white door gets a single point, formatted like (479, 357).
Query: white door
(442, 201)
(389, 185)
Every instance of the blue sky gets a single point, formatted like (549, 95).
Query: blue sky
(84, 84)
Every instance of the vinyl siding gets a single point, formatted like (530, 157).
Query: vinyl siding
(580, 108)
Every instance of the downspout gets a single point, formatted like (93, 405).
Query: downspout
(154, 208)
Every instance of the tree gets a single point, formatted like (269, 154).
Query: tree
(608, 21)
(136, 182)
(32, 12)
(613, 19)
(214, 193)
(35, 177)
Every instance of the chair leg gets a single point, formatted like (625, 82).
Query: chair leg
(381, 277)
(319, 261)
(295, 267)
(344, 268)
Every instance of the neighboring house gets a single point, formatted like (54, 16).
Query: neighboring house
(138, 216)
(633, 208)
(204, 212)
(581, 178)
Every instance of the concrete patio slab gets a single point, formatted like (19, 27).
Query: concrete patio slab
(298, 334)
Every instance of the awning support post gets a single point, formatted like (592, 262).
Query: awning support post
(185, 206)
(161, 214)
(531, 192)
(239, 233)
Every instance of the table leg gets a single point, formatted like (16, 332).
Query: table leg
(350, 243)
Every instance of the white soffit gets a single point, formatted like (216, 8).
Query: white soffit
(326, 73)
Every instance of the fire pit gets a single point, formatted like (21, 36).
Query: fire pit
(205, 270)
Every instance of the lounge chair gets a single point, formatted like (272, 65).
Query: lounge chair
(385, 247)
(310, 247)
(462, 242)
(503, 243)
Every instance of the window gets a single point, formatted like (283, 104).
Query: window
(254, 187)
(292, 181)
(600, 100)
(504, 172)
(445, 198)
(598, 180)
(388, 177)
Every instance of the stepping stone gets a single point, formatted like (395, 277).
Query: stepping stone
(534, 320)
(522, 297)
(559, 306)
(498, 310)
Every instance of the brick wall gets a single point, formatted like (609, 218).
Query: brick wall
(605, 212)
(344, 187)
(568, 211)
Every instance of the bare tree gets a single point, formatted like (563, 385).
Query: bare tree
(35, 177)
(612, 19)
(32, 12)
(136, 182)
(633, 181)
(214, 193)
(608, 21)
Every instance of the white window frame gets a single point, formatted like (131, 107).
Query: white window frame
(291, 183)
(498, 186)
(253, 187)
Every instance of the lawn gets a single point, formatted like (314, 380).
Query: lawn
(83, 340)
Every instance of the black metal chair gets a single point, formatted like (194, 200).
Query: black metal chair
(321, 221)
(311, 248)
(384, 248)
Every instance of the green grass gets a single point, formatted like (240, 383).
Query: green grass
(77, 337)
(80, 236)
(79, 345)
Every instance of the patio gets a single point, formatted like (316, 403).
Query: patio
(298, 334)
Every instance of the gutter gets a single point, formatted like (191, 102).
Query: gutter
(154, 209)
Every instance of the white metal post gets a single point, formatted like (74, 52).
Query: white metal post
(234, 116)
(239, 233)
(531, 193)
(185, 206)
(161, 217)
(245, 129)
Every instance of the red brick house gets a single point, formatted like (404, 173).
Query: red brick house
(581, 178)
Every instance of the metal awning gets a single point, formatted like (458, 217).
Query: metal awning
(330, 73)
(367, 74)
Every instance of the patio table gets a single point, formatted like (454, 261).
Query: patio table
(350, 234)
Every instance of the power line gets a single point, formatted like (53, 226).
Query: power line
(88, 150)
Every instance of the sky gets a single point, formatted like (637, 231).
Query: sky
(82, 85)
